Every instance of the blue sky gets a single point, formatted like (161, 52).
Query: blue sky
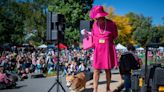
(151, 8)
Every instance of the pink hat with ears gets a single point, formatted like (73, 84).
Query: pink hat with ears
(97, 11)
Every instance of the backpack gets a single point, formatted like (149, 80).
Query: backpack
(127, 63)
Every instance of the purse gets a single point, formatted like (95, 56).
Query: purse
(87, 42)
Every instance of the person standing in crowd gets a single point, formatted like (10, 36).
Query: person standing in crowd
(104, 32)
(81, 66)
(128, 62)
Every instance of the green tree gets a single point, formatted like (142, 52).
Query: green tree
(73, 11)
(156, 34)
(11, 29)
(19, 19)
(35, 22)
(161, 30)
(142, 27)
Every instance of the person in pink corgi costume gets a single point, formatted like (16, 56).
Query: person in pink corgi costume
(104, 31)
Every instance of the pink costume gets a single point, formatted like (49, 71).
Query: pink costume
(104, 49)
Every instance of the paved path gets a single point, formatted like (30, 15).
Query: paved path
(44, 84)
(115, 82)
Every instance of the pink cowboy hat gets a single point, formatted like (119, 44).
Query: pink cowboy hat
(97, 11)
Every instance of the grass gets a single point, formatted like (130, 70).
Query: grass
(53, 73)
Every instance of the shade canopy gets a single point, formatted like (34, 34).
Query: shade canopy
(120, 47)
(62, 46)
(42, 46)
(161, 48)
(140, 48)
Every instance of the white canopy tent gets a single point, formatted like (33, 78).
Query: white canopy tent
(120, 47)
(140, 48)
(161, 49)
(42, 46)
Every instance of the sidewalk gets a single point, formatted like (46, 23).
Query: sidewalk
(115, 82)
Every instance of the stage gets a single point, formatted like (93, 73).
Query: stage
(43, 84)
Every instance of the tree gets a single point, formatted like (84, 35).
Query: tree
(161, 32)
(11, 29)
(25, 20)
(19, 19)
(141, 27)
(87, 5)
(124, 28)
(35, 22)
(73, 11)
(156, 34)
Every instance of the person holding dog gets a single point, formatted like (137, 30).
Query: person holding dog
(104, 31)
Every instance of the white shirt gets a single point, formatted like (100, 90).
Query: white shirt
(81, 67)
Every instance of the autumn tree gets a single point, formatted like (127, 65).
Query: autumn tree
(124, 28)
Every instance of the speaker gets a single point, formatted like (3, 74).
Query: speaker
(49, 26)
(58, 18)
(55, 23)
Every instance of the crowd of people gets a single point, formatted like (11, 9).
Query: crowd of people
(45, 61)
(23, 63)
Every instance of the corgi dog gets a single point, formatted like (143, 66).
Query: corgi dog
(76, 82)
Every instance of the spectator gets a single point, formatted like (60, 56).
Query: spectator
(23, 63)
(3, 77)
(81, 67)
(66, 69)
(128, 62)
